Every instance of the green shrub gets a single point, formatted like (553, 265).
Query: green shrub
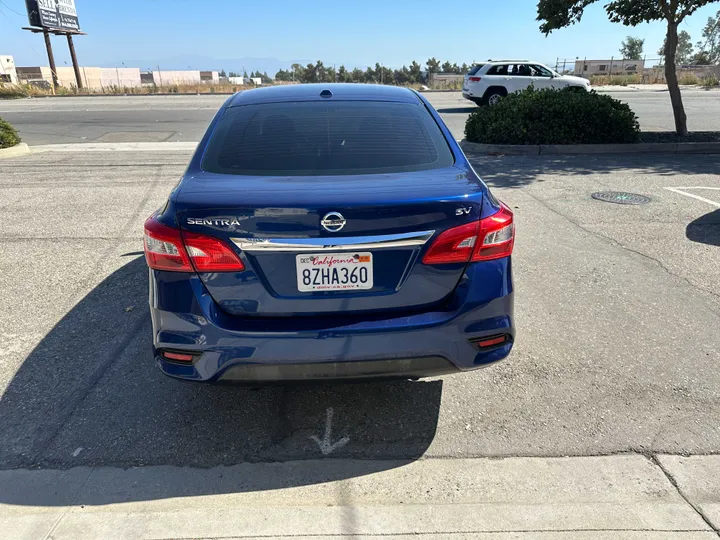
(8, 135)
(568, 116)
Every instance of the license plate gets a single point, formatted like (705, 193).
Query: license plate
(334, 271)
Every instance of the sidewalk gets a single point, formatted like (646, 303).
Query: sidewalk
(648, 88)
(579, 498)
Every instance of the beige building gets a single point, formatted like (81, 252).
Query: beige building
(184, 76)
(8, 73)
(34, 75)
(585, 68)
(95, 78)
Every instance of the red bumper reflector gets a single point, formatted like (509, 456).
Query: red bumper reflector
(178, 357)
(484, 343)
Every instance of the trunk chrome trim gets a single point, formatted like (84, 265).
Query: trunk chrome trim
(384, 241)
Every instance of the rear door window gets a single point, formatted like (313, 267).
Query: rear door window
(502, 69)
(326, 138)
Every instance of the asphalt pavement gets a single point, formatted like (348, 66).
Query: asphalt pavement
(185, 118)
(617, 311)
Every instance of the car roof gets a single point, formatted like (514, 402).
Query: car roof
(311, 92)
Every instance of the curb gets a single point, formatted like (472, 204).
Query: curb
(172, 146)
(571, 149)
(19, 149)
(135, 95)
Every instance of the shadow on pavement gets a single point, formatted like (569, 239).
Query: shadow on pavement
(518, 171)
(705, 229)
(89, 394)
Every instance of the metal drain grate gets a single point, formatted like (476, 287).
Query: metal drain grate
(620, 197)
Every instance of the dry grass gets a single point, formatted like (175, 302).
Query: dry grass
(709, 81)
(13, 91)
(689, 79)
(28, 90)
(615, 80)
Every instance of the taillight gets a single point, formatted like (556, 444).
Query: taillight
(168, 249)
(497, 236)
(210, 254)
(474, 79)
(164, 249)
(453, 245)
(485, 240)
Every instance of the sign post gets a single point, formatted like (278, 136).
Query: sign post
(76, 67)
(51, 59)
(58, 17)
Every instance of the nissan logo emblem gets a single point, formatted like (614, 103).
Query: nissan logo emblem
(333, 222)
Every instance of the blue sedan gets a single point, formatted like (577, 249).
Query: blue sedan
(329, 231)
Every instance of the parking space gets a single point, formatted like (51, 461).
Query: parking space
(617, 312)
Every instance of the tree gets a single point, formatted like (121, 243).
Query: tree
(433, 65)
(711, 33)
(342, 74)
(684, 50)
(415, 76)
(555, 14)
(402, 75)
(234, 74)
(222, 73)
(701, 58)
(245, 75)
(357, 75)
(283, 75)
(632, 48)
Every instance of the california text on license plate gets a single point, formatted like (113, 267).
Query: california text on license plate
(334, 271)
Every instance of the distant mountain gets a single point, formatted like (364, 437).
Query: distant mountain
(209, 63)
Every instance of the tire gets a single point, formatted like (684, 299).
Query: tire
(494, 95)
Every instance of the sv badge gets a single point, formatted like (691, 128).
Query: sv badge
(463, 211)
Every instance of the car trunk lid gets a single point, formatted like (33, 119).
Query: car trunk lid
(387, 222)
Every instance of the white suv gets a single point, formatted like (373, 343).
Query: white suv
(488, 83)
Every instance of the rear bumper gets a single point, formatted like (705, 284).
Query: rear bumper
(333, 346)
(348, 370)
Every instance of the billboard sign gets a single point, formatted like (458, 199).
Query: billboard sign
(55, 14)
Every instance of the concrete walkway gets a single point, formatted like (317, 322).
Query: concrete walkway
(614, 497)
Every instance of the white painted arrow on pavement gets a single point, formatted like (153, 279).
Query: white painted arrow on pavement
(326, 447)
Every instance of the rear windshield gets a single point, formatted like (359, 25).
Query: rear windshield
(475, 69)
(326, 138)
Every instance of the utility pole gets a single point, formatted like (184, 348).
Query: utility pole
(51, 60)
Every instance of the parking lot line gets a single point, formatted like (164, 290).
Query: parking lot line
(698, 197)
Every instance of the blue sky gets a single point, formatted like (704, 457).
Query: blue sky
(356, 33)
